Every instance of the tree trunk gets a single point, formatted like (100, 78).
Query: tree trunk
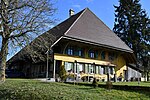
(5, 38)
(4, 52)
(147, 76)
(108, 77)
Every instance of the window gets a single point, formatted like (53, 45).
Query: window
(86, 68)
(91, 69)
(79, 67)
(103, 55)
(80, 52)
(70, 51)
(111, 70)
(97, 69)
(69, 66)
(111, 56)
(91, 54)
(75, 51)
(103, 70)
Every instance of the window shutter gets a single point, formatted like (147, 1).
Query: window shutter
(96, 54)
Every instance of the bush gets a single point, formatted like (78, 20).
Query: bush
(109, 85)
(62, 73)
(95, 83)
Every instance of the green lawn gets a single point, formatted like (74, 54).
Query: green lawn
(23, 89)
(147, 84)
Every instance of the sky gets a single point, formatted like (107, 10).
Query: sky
(104, 10)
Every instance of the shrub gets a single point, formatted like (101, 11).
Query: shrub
(95, 83)
(109, 85)
(62, 73)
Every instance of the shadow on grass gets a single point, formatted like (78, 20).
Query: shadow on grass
(128, 89)
(4, 94)
(146, 93)
(146, 82)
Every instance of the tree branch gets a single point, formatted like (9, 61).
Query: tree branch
(20, 7)
(1, 33)
(21, 34)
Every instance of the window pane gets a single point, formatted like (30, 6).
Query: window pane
(111, 70)
(92, 54)
(68, 66)
(91, 69)
(102, 70)
(70, 51)
(86, 68)
(97, 69)
(79, 67)
(80, 53)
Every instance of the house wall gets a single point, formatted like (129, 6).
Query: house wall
(39, 69)
(118, 61)
(120, 66)
(21, 67)
(33, 70)
(133, 74)
(66, 58)
(78, 59)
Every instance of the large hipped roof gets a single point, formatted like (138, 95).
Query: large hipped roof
(84, 26)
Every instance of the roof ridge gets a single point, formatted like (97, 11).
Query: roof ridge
(76, 20)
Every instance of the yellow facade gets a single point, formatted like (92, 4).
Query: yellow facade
(120, 66)
(81, 60)
(119, 63)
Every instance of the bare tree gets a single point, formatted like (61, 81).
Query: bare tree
(19, 21)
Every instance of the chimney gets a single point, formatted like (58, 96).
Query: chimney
(71, 12)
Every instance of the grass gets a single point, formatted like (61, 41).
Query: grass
(147, 84)
(23, 89)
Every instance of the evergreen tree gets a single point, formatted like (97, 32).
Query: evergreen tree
(132, 25)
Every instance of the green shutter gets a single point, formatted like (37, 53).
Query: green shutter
(96, 54)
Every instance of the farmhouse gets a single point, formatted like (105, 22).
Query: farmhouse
(83, 44)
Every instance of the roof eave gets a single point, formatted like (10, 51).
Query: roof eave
(97, 44)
